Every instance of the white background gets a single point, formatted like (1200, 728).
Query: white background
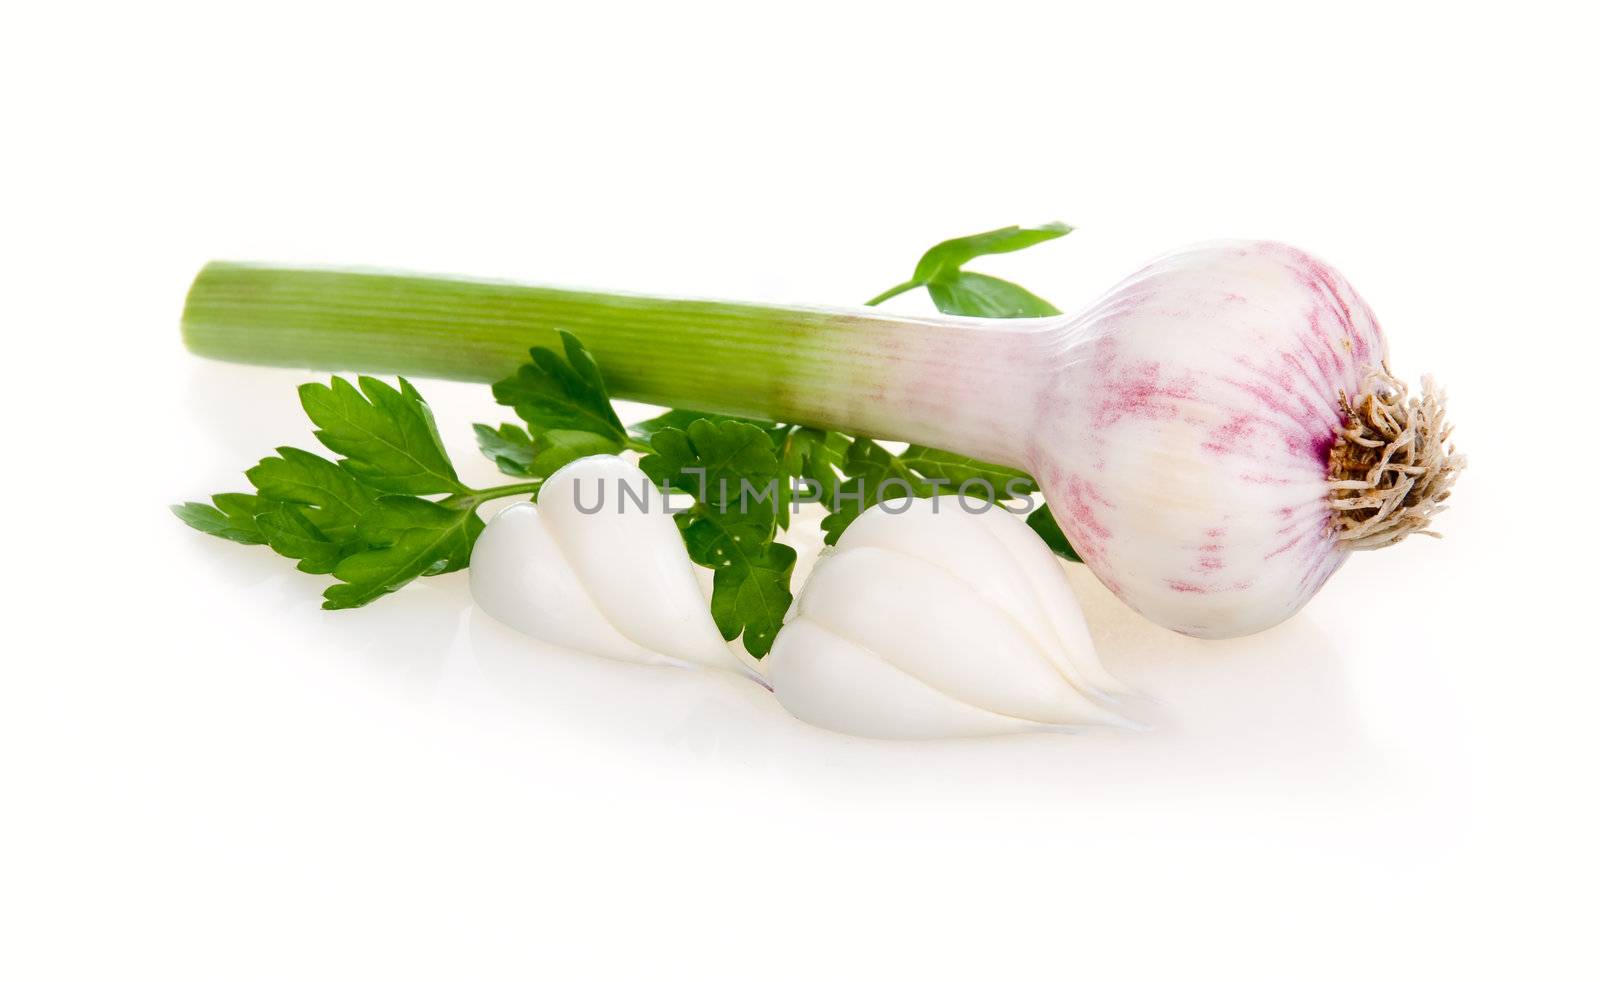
(206, 777)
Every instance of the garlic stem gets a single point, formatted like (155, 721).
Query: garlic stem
(856, 371)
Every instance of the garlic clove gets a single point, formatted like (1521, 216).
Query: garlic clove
(621, 583)
(938, 606)
(1022, 577)
(520, 578)
(631, 557)
(1074, 652)
(927, 622)
(839, 685)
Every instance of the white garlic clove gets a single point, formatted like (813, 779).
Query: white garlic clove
(1074, 652)
(630, 556)
(520, 578)
(916, 616)
(1030, 588)
(839, 685)
(616, 581)
(952, 627)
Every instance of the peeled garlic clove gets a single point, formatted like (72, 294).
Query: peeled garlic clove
(598, 565)
(836, 684)
(623, 545)
(520, 578)
(1030, 588)
(915, 614)
(938, 622)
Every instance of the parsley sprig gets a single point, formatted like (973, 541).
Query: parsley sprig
(388, 509)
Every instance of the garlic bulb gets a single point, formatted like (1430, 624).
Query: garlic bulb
(614, 581)
(928, 620)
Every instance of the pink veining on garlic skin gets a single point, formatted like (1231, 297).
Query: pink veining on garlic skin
(1185, 427)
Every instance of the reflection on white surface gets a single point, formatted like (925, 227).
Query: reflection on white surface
(1273, 705)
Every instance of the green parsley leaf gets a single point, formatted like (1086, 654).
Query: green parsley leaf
(974, 294)
(812, 455)
(711, 458)
(230, 516)
(978, 295)
(954, 470)
(517, 453)
(872, 475)
(557, 448)
(754, 598)
(679, 419)
(550, 393)
(344, 517)
(388, 436)
(290, 533)
(951, 254)
(509, 446)
(407, 538)
(335, 498)
(730, 469)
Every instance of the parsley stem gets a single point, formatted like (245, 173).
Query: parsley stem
(478, 497)
(858, 371)
(893, 291)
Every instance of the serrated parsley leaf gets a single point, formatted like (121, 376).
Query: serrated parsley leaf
(520, 454)
(809, 456)
(229, 516)
(552, 393)
(754, 599)
(346, 517)
(733, 473)
(711, 458)
(554, 449)
(679, 419)
(508, 445)
(290, 533)
(335, 498)
(872, 475)
(407, 538)
(953, 470)
(387, 436)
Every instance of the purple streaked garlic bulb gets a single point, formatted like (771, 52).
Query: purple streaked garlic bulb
(1220, 431)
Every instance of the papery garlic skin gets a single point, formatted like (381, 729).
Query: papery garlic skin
(617, 582)
(928, 620)
(1188, 429)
